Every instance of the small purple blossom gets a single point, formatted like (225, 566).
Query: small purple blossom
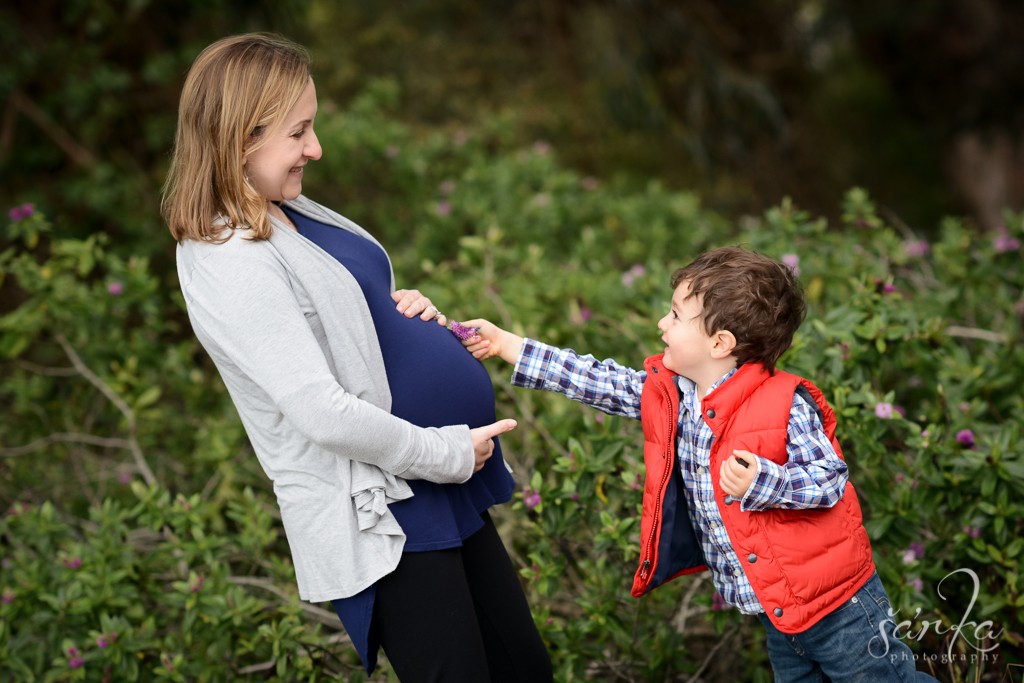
(446, 187)
(916, 584)
(634, 273)
(102, 642)
(461, 331)
(718, 603)
(75, 660)
(585, 314)
(792, 261)
(73, 562)
(20, 213)
(7, 596)
(884, 287)
(124, 477)
(531, 498)
(917, 248)
(972, 531)
(913, 553)
(1004, 242)
(115, 288)
(392, 151)
(197, 585)
(965, 437)
(883, 410)
(443, 208)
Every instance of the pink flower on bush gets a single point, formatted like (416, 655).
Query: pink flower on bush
(443, 208)
(20, 213)
(392, 151)
(197, 585)
(791, 261)
(105, 640)
(718, 603)
(883, 410)
(531, 498)
(75, 660)
(972, 531)
(115, 288)
(633, 274)
(914, 553)
(965, 437)
(916, 584)
(1004, 242)
(73, 562)
(917, 248)
(541, 147)
(7, 596)
(446, 187)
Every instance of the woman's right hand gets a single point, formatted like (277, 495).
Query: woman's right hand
(490, 341)
(483, 440)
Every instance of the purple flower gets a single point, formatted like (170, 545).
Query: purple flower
(585, 313)
(718, 603)
(102, 642)
(392, 151)
(917, 248)
(973, 531)
(883, 410)
(20, 213)
(73, 562)
(965, 437)
(631, 275)
(461, 331)
(76, 663)
(1005, 242)
(916, 584)
(443, 208)
(7, 596)
(531, 498)
(792, 261)
(197, 585)
(446, 187)
(115, 288)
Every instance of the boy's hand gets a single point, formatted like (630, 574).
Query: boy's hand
(490, 341)
(737, 473)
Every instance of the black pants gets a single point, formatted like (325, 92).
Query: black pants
(455, 615)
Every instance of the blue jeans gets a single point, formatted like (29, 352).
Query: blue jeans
(853, 644)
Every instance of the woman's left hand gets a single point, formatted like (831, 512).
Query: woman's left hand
(411, 303)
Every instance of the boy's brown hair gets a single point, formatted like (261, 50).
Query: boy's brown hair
(756, 298)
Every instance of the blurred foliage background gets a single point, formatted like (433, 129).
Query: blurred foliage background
(545, 164)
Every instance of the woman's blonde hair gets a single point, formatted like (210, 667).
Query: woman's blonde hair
(236, 92)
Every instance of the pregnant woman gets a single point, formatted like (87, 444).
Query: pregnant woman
(375, 426)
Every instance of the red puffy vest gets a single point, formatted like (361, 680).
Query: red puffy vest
(802, 564)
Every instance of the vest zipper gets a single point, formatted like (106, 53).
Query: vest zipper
(669, 453)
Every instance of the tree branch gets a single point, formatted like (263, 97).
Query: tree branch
(129, 414)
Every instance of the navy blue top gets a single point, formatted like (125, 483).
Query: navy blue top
(434, 382)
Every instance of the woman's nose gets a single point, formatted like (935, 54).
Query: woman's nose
(313, 150)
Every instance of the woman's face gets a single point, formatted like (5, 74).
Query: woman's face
(275, 169)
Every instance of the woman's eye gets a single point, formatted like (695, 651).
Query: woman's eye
(298, 134)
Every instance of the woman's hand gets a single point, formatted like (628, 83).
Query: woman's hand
(483, 440)
(490, 341)
(411, 303)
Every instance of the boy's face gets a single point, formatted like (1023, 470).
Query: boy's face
(687, 345)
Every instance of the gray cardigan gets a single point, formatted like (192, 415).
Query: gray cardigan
(290, 332)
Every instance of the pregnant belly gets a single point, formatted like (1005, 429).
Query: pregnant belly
(434, 381)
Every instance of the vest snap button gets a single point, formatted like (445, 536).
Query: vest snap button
(778, 611)
(751, 558)
(711, 414)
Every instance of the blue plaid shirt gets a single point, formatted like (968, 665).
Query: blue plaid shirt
(813, 477)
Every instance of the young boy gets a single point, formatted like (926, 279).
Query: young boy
(744, 474)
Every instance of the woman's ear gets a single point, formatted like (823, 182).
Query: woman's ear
(722, 344)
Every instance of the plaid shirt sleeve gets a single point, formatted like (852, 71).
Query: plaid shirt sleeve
(605, 385)
(813, 476)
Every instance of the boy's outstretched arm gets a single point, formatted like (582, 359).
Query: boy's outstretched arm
(490, 341)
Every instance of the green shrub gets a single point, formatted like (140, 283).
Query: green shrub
(135, 507)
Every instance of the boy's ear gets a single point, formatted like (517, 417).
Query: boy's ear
(722, 344)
